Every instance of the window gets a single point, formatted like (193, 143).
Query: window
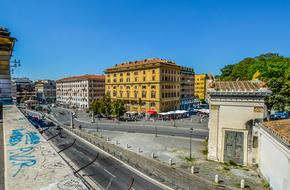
(152, 104)
(153, 87)
(114, 93)
(136, 73)
(144, 72)
(121, 94)
(121, 80)
(128, 79)
(121, 74)
(143, 87)
(128, 94)
(115, 75)
(108, 80)
(136, 79)
(143, 94)
(115, 80)
(135, 94)
(153, 71)
(153, 94)
(153, 78)
(128, 74)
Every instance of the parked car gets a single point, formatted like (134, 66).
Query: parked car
(279, 115)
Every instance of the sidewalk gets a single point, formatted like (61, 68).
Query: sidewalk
(30, 161)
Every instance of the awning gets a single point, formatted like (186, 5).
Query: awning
(151, 112)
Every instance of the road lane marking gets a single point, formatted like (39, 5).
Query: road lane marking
(109, 173)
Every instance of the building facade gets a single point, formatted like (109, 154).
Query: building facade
(22, 89)
(186, 87)
(80, 91)
(46, 90)
(150, 84)
(200, 86)
(6, 48)
(235, 108)
(274, 153)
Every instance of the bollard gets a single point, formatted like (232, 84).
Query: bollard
(242, 184)
(216, 178)
(108, 139)
(170, 162)
(152, 155)
(127, 145)
(138, 149)
(192, 170)
(117, 142)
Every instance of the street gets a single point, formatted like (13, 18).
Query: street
(105, 171)
(63, 116)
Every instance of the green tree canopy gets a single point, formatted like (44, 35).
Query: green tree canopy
(118, 108)
(272, 68)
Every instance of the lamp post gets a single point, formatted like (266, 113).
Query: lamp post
(174, 124)
(190, 142)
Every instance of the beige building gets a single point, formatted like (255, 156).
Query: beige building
(80, 91)
(149, 84)
(235, 108)
(274, 153)
(46, 90)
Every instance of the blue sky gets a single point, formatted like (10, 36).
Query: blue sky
(58, 38)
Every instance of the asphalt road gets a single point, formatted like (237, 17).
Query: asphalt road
(105, 171)
(63, 116)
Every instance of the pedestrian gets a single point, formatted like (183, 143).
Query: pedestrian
(80, 127)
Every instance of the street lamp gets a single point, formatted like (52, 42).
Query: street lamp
(155, 130)
(190, 142)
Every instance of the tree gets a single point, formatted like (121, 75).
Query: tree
(118, 108)
(106, 106)
(96, 106)
(270, 68)
(24, 98)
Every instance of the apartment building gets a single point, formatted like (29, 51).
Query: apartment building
(6, 48)
(22, 89)
(80, 91)
(46, 90)
(149, 84)
(200, 86)
(187, 87)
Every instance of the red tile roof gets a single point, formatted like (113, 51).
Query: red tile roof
(143, 62)
(237, 85)
(280, 128)
(83, 77)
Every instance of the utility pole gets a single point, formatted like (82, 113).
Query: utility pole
(190, 142)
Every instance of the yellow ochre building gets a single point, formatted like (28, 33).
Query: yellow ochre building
(149, 84)
(200, 86)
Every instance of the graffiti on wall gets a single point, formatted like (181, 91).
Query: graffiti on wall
(22, 157)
